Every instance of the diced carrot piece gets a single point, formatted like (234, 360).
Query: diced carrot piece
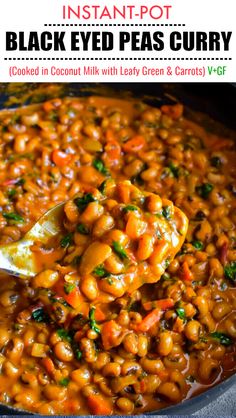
(149, 320)
(186, 274)
(112, 153)
(48, 365)
(74, 298)
(161, 303)
(99, 314)
(111, 332)
(174, 111)
(51, 104)
(99, 405)
(60, 158)
(110, 136)
(135, 144)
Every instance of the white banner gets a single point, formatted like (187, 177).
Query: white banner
(117, 41)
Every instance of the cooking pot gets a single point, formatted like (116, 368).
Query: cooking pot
(208, 102)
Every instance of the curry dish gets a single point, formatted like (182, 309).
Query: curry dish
(134, 308)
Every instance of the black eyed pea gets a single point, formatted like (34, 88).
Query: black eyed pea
(46, 279)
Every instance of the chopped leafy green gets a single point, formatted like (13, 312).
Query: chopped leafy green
(230, 271)
(222, 338)
(64, 381)
(181, 313)
(11, 193)
(119, 249)
(64, 335)
(174, 169)
(100, 166)
(82, 202)
(130, 208)
(66, 240)
(100, 271)
(68, 287)
(82, 229)
(13, 216)
(92, 321)
(204, 190)
(198, 245)
(78, 354)
(216, 162)
(39, 315)
(166, 212)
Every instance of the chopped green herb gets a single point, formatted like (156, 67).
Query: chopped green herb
(64, 381)
(64, 335)
(66, 240)
(130, 208)
(100, 271)
(11, 193)
(166, 212)
(216, 162)
(198, 245)
(99, 165)
(39, 315)
(82, 229)
(78, 354)
(181, 313)
(68, 287)
(222, 338)
(13, 216)
(204, 190)
(109, 280)
(92, 321)
(230, 271)
(119, 249)
(174, 170)
(82, 202)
